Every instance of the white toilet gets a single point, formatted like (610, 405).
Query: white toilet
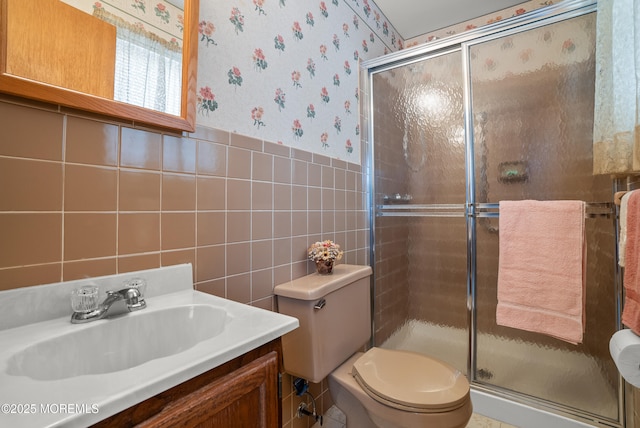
(377, 388)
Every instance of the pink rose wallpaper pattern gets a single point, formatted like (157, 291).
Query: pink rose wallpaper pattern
(286, 71)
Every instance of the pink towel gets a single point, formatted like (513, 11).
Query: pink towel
(541, 276)
(631, 311)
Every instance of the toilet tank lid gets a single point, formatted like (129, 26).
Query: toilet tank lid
(316, 286)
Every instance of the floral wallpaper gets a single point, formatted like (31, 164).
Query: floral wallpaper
(286, 71)
(570, 42)
(517, 55)
(155, 16)
(510, 56)
(519, 9)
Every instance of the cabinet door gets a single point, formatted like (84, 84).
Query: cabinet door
(247, 397)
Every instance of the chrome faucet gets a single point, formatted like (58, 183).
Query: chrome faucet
(131, 295)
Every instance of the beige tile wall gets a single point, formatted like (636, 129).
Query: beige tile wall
(84, 196)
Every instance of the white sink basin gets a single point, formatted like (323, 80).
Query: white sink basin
(57, 374)
(112, 345)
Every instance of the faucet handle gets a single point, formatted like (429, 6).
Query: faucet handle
(135, 301)
(138, 283)
(84, 299)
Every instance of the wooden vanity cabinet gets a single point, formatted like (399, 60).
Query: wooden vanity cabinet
(240, 393)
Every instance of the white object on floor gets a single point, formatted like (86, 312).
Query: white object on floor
(333, 418)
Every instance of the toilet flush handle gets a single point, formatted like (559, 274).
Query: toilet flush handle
(320, 304)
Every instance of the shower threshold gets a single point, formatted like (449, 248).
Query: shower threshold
(518, 414)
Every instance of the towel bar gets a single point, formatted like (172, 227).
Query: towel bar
(592, 210)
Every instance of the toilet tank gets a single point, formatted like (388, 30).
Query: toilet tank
(334, 312)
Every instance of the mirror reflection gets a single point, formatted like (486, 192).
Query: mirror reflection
(148, 50)
(129, 51)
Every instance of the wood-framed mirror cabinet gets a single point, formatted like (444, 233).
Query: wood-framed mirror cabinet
(14, 84)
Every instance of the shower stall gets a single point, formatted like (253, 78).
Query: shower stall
(453, 127)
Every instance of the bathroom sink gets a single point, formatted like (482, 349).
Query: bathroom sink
(117, 344)
(75, 375)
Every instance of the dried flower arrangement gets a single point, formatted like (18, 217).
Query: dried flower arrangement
(324, 251)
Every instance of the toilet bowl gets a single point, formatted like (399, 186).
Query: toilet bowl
(392, 389)
(380, 387)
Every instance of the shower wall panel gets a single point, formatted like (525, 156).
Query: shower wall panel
(438, 267)
(420, 161)
(392, 279)
(391, 257)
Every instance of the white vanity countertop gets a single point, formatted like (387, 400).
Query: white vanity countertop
(83, 400)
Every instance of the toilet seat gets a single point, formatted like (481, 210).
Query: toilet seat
(410, 381)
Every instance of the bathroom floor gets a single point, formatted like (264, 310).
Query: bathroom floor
(334, 418)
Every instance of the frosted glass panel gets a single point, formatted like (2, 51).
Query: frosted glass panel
(418, 131)
(421, 265)
(533, 111)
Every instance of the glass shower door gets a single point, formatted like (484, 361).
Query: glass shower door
(420, 186)
(532, 103)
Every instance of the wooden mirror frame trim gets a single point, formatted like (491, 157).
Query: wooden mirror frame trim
(15, 85)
